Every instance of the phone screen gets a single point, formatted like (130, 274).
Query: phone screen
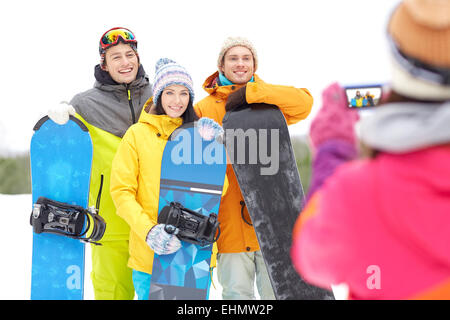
(363, 96)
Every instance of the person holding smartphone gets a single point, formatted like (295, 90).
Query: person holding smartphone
(381, 224)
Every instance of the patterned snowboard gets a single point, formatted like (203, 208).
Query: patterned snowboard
(192, 174)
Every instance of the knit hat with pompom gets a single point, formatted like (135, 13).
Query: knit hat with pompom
(167, 73)
(419, 34)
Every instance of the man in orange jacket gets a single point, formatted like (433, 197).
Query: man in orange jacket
(235, 83)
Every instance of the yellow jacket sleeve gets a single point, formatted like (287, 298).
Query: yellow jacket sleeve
(294, 103)
(124, 184)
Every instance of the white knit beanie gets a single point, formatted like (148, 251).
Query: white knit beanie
(231, 42)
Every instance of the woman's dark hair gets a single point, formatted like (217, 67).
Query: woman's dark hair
(189, 114)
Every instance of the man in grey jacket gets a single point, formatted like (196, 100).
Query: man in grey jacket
(108, 110)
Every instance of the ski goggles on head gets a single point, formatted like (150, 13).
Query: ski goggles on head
(111, 37)
(418, 68)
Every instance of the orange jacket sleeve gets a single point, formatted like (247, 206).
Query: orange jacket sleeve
(295, 103)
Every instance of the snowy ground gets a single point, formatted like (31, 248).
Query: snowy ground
(16, 247)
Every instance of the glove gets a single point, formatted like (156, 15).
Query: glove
(163, 242)
(236, 99)
(208, 128)
(60, 113)
(335, 120)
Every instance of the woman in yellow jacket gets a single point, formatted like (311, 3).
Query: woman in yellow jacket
(136, 169)
(236, 83)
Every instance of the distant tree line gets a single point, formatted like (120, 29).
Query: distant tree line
(303, 156)
(15, 174)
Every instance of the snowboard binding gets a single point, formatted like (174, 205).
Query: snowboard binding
(193, 227)
(50, 216)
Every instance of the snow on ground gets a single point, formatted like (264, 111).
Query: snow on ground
(16, 248)
(15, 241)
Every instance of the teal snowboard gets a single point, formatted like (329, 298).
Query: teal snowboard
(61, 157)
(192, 174)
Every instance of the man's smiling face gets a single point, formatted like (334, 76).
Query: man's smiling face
(238, 65)
(122, 63)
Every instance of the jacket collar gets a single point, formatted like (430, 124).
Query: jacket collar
(104, 80)
(404, 127)
(212, 87)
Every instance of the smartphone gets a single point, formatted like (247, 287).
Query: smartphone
(363, 96)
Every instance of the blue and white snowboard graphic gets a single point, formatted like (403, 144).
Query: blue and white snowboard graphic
(61, 158)
(192, 174)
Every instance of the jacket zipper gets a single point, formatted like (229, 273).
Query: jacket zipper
(130, 103)
(99, 196)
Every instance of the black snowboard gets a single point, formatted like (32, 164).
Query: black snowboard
(258, 145)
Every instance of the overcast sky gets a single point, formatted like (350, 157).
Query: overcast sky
(50, 48)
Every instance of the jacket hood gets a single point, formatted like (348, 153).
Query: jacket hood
(105, 82)
(162, 124)
(404, 127)
(413, 199)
